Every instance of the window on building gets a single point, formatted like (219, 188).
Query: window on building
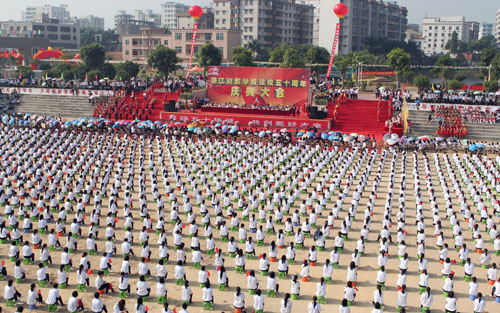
(65, 29)
(178, 36)
(189, 36)
(52, 28)
(178, 49)
(219, 36)
(127, 42)
(65, 37)
(165, 42)
(156, 42)
(208, 36)
(127, 52)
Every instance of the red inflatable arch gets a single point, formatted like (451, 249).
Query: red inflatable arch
(49, 53)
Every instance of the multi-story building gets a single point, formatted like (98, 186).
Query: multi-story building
(61, 35)
(497, 28)
(127, 24)
(486, 29)
(414, 36)
(169, 11)
(269, 22)
(366, 18)
(438, 31)
(186, 21)
(92, 22)
(61, 13)
(138, 47)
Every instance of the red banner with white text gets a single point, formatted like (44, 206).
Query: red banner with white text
(258, 86)
(246, 120)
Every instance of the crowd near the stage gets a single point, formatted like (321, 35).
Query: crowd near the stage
(111, 213)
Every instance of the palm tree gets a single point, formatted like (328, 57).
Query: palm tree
(254, 45)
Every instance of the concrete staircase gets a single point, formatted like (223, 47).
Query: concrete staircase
(59, 106)
(420, 126)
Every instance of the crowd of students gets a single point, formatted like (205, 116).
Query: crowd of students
(450, 122)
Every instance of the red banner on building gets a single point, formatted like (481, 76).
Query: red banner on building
(258, 85)
(386, 73)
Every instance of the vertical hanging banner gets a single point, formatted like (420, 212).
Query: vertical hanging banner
(404, 114)
(195, 31)
(334, 47)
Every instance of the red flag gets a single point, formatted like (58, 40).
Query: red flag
(96, 78)
(20, 75)
(86, 77)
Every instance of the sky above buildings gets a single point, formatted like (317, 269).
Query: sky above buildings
(479, 10)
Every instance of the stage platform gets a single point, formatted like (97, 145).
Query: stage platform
(245, 119)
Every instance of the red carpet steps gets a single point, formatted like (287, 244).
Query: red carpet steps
(360, 116)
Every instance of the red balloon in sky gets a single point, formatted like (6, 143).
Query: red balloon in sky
(196, 11)
(340, 10)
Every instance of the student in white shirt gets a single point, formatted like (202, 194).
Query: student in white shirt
(54, 296)
(451, 303)
(161, 288)
(142, 288)
(377, 308)
(97, 305)
(74, 304)
(208, 293)
(314, 306)
(344, 307)
(187, 293)
(120, 307)
(258, 302)
(10, 292)
(239, 299)
(479, 304)
(286, 304)
(426, 299)
(140, 307)
(33, 297)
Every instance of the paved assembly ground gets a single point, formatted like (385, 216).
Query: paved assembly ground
(200, 151)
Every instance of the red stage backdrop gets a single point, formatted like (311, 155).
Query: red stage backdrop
(258, 85)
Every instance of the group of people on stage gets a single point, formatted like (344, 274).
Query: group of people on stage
(450, 122)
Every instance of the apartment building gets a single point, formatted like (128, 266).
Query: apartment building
(366, 18)
(169, 12)
(270, 22)
(127, 24)
(138, 47)
(497, 28)
(438, 31)
(92, 22)
(55, 12)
